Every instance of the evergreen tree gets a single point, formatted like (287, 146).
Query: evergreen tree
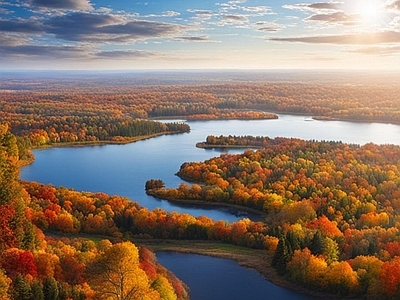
(50, 289)
(21, 290)
(317, 243)
(62, 292)
(37, 291)
(282, 255)
(293, 240)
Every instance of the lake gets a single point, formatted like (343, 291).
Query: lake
(124, 169)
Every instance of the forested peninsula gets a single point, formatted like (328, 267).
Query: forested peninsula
(332, 209)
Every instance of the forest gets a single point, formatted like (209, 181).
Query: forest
(116, 109)
(36, 264)
(332, 208)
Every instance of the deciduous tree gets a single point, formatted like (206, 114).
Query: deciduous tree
(116, 275)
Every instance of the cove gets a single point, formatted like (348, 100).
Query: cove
(222, 279)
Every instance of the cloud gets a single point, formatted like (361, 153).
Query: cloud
(393, 5)
(84, 27)
(395, 23)
(316, 7)
(377, 50)
(336, 17)
(201, 15)
(7, 40)
(231, 6)
(21, 26)
(171, 13)
(384, 37)
(268, 26)
(323, 5)
(167, 14)
(200, 11)
(234, 19)
(194, 38)
(43, 51)
(5, 11)
(259, 10)
(126, 55)
(63, 4)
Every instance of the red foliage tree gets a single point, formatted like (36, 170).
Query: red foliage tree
(18, 262)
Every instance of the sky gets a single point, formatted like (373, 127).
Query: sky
(193, 34)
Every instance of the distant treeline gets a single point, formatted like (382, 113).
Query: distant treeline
(103, 112)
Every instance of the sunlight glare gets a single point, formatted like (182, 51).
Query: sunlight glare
(371, 11)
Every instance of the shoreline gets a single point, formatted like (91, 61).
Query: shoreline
(258, 260)
(204, 145)
(312, 117)
(105, 142)
(198, 203)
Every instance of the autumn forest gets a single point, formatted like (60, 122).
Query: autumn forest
(330, 210)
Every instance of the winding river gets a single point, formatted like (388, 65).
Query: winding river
(124, 169)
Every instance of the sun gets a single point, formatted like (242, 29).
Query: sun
(371, 11)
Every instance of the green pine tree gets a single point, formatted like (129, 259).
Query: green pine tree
(317, 243)
(21, 290)
(282, 255)
(50, 289)
(37, 291)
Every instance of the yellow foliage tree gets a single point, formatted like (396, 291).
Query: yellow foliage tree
(342, 279)
(164, 287)
(116, 275)
(4, 285)
(305, 268)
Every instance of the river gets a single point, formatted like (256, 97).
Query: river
(124, 169)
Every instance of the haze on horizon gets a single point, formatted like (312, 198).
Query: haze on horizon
(159, 34)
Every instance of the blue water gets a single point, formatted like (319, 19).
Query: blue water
(222, 279)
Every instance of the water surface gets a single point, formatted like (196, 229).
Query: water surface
(222, 279)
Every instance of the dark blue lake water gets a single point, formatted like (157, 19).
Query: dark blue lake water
(222, 279)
